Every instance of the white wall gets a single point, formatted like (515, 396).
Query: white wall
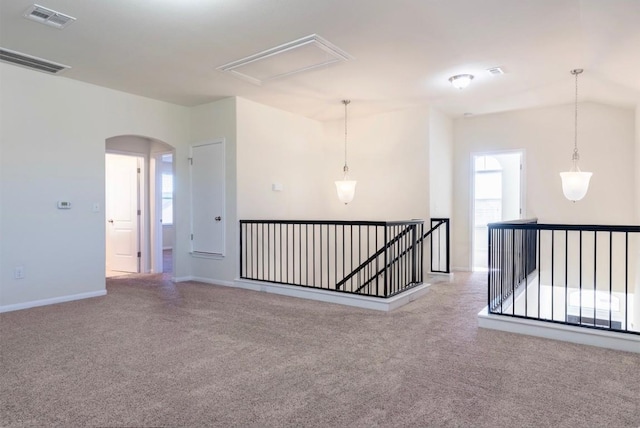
(606, 139)
(387, 155)
(52, 148)
(167, 236)
(440, 164)
(207, 123)
(275, 146)
(510, 185)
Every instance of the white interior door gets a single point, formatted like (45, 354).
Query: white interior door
(207, 198)
(122, 213)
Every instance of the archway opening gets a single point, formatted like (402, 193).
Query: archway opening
(153, 187)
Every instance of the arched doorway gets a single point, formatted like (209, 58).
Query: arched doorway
(496, 196)
(139, 171)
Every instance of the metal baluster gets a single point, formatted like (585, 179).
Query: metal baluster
(626, 281)
(595, 277)
(566, 275)
(539, 269)
(610, 274)
(553, 259)
(580, 279)
(513, 272)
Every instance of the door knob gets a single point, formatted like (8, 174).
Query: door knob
(110, 221)
(218, 218)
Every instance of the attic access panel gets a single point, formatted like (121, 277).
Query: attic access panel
(290, 58)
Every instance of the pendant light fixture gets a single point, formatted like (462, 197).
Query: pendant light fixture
(346, 188)
(575, 183)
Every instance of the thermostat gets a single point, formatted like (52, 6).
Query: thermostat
(64, 205)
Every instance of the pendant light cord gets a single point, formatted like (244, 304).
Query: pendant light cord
(576, 156)
(345, 102)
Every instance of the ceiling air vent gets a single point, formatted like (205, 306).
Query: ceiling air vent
(49, 17)
(28, 61)
(495, 71)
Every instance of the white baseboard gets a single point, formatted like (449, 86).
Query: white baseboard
(365, 302)
(566, 333)
(204, 280)
(212, 281)
(52, 301)
(448, 276)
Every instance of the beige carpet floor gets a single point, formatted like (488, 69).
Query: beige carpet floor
(153, 353)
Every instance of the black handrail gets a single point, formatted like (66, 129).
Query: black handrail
(570, 227)
(335, 222)
(389, 264)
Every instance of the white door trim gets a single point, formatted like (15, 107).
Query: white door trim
(472, 191)
(155, 203)
(195, 252)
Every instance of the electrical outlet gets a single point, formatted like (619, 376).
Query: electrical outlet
(18, 272)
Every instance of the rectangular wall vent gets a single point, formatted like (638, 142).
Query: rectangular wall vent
(28, 61)
(49, 17)
(300, 55)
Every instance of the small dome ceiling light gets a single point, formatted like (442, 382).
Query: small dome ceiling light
(461, 81)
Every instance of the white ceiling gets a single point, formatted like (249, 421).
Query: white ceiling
(404, 50)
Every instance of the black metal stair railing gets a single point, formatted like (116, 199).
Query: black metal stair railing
(581, 275)
(440, 245)
(412, 248)
(395, 264)
(370, 258)
(512, 259)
